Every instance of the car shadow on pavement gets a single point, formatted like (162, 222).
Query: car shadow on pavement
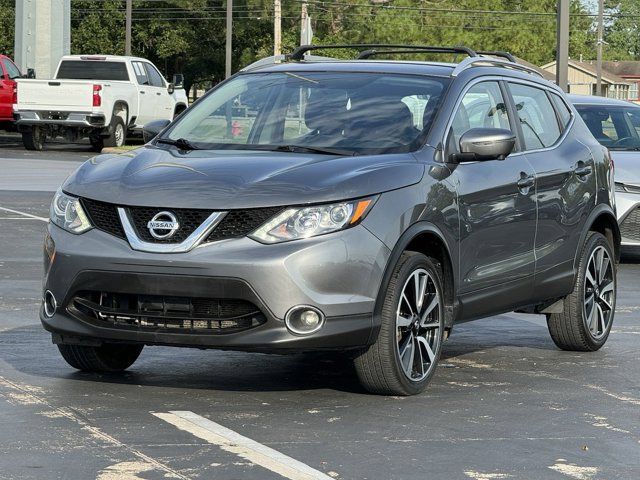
(29, 351)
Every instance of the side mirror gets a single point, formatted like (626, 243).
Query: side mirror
(178, 80)
(171, 88)
(481, 144)
(31, 73)
(152, 129)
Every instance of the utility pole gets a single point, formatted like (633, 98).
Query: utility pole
(599, 48)
(127, 35)
(304, 24)
(277, 27)
(229, 32)
(562, 45)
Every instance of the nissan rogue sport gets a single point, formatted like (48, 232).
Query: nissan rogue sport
(365, 205)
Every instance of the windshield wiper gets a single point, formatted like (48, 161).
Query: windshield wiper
(304, 148)
(181, 143)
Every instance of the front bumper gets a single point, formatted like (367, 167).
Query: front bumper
(628, 208)
(339, 274)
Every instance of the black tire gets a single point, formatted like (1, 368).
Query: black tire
(379, 366)
(118, 135)
(97, 143)
(110, 357)
(569, 329)
(33, 139)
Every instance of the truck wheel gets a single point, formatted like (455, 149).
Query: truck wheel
(118, 133)
(404, 356)
(586, 320)
(110, 357)
(33, 139)
(97, 143)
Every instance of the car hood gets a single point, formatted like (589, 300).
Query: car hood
(627, 166)
(220, 180)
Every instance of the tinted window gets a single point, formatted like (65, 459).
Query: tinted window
(92, 70)
(563, 110)
(141, 73)
(537, 116)
(482, 106)
(11, 69)
(353, 112)
(155, 79)
(615, 127)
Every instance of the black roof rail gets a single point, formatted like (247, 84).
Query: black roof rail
(365, 54)
(298, 53)
(498, 53)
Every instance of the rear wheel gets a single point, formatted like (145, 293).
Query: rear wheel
(118, 133)
(404, 357)
(586, 320)
(33, 139)
(110, 357)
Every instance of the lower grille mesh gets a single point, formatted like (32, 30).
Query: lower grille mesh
(630, 227)
(160, 312)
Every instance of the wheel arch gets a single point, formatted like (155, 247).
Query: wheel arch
(179, 108)
(425, 238)
(119, 106)
(602, 220)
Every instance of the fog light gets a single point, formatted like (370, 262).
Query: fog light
(50, 304)
(304, 320)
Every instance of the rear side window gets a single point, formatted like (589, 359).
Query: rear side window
(92, 70)
(563, 110)
(537, 117)
(141, 73)
(11, 69)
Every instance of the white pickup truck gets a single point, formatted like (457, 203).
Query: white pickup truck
(102, 97)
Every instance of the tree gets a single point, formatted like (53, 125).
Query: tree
(7, 26)
(622, 32)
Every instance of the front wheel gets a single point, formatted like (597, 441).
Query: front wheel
(109, 357)
(403, 358)
(586, 320)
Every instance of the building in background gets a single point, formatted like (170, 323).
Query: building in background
(43, 34)
(583, 79)
(630, 71)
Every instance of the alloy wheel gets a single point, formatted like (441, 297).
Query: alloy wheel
(418, 325)
(599, 293)
(119, 135)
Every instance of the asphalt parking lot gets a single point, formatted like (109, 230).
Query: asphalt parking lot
(505, 402)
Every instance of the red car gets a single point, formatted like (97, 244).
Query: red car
(8, 72)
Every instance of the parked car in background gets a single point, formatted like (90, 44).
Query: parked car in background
(9, 72)
(616, 125)
(356, 205)
(102, 97)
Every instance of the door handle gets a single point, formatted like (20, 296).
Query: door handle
(158, 93)
(526, 182)
(583, 170)
(142, 92)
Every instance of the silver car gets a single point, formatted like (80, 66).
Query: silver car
(616, 125)
(362, 206)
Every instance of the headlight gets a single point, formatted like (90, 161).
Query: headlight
(305, 222)
(67, 213)
(620, 187)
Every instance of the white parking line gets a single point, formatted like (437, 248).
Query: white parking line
(244, 447)
(42, 219)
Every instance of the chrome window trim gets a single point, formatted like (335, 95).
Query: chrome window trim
(189, 243)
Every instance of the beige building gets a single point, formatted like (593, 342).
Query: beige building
(582, 80)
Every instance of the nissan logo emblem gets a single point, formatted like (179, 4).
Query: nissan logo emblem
(163, 225)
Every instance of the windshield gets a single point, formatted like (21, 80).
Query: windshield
(617, 127)
(342, 113)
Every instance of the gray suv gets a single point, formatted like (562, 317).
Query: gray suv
(365, 206)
